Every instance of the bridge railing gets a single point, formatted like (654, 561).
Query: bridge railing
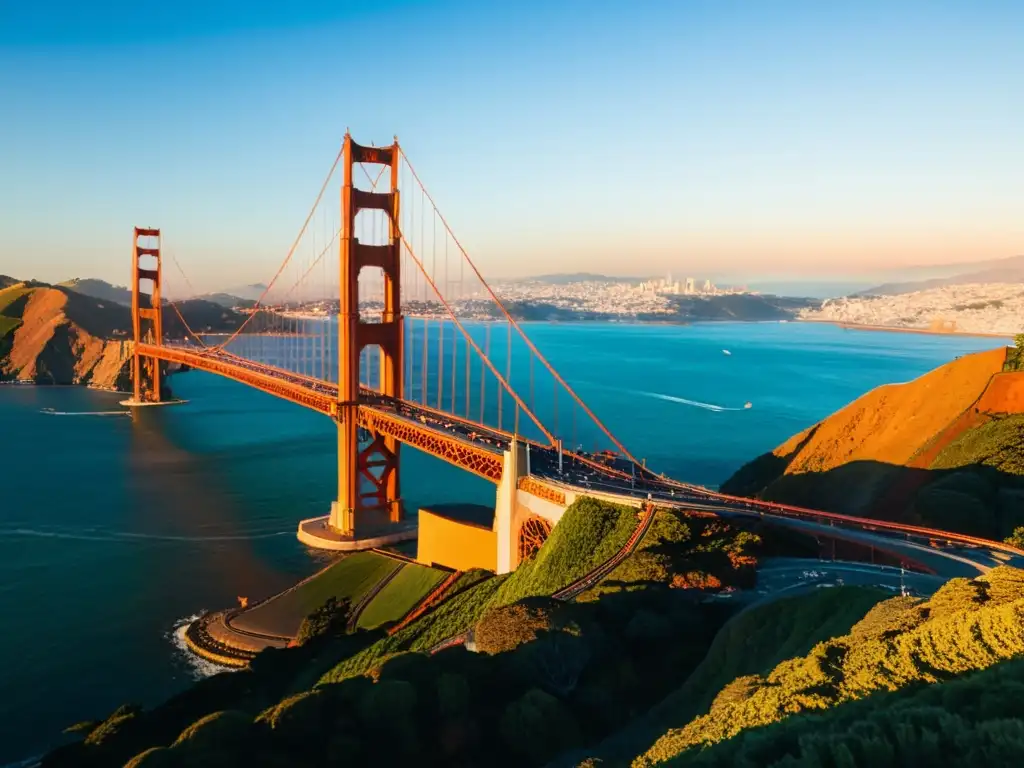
(771, 507)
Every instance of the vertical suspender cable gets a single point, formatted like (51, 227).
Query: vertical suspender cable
(483, 375)
(425, 370)
(440, 363)
(469, 390)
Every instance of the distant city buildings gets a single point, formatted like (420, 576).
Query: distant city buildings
(996, 308)
(687, 287)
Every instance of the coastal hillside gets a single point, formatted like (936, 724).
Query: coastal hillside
(49, 336)
(99, 289)
(548, 675)
(943, 450)
(56, 335)
(901, 676)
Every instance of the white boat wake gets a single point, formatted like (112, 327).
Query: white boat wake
(51, 412)
(684, 401)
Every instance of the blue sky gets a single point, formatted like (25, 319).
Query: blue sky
(748, 139)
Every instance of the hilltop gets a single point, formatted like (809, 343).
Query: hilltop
(944, 450)
(99, 289)
(1009, 270)
(58, 335)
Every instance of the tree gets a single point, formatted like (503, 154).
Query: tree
(330, 619)
(1019, 341)
(1016, 539)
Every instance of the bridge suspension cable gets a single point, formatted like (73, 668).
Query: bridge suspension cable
(535, 352)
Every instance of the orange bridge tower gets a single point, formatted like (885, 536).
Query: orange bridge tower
(147, 323)
(368, 490)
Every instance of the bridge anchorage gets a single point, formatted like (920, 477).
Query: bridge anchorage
(430, 357)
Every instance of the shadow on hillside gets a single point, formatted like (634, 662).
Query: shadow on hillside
(977, 500)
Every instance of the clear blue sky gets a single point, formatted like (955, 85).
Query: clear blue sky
(751, 138)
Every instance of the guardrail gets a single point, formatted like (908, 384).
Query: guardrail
(770, 507)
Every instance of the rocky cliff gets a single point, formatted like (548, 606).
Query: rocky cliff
(48, 336)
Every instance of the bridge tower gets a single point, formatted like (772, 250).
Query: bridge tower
(147, 322)
(375, 466)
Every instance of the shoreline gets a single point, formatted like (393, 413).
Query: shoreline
(897, 329)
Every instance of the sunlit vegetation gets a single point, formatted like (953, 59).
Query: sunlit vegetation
(12, 301)
(965, 626)
(1015, 354)
(329, 620)
(412, 584)
(348, 579)
(553, 675)
(589, 533)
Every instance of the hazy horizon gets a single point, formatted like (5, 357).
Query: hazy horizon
(786, 143)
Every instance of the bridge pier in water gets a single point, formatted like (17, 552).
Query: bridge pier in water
(363, 518)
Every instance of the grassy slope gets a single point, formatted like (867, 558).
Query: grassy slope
(589, 533)
(886, 426)
(753, 642)
(350, 577)
(10, 312)
(411, 585)
(973, 720)
(901, 642)
(998, 444)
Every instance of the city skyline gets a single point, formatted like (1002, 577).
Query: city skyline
(725, 140)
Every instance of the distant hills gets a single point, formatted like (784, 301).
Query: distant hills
(578, 277)
(251, 292)
(244, 296)
(1009, 270)
(99, 289)
(64, 335)
(228, 300)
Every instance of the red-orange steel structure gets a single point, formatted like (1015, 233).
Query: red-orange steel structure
(354, 335)
(147, 322)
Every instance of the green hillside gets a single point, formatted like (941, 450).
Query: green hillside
(573, 676)
(900, 643)
(402, 593)
(12, 301)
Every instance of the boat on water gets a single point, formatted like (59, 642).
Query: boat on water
(748, 404)
(726, 352)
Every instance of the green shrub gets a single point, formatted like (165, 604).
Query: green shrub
(538, 726)
(329, 620)
(966, 626)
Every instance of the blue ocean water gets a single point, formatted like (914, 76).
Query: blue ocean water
(114, 529)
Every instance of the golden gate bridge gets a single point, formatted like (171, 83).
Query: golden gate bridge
(378, 318)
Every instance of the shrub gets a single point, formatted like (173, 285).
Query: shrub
(329, 620)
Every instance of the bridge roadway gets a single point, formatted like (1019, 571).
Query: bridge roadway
(479, 449)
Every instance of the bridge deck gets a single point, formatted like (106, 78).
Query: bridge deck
(479, 449)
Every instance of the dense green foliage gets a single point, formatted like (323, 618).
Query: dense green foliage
(1015, 355)
(1016, 539)
(980, 490)
(329, 620)
(752, 642)
(965, 626)
(412, 584)
(12, 302)
(973, 720)
(577, 672)
(589, 533)
(998, 444)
